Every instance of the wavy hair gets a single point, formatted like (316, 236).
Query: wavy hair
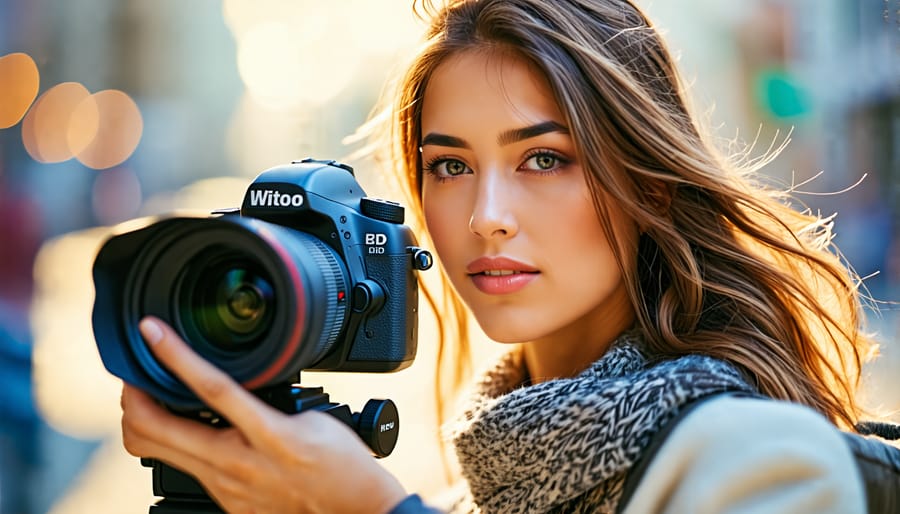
(724, 265)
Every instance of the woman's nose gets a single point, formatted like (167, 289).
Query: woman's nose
(493, 215)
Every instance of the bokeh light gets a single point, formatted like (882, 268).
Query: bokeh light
(379, 26)
(116, 196)
(201, 197)
(83, 124)
(242, 15)
(304, 53)
(45, 128)
(114, 119)
(270, 131)
(74, 392)
(19, 83)
(283, 67)
(284, 79)
(101, 130)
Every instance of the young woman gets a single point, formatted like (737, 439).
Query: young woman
(578, 211)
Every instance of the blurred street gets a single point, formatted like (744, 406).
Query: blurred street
(117, 109)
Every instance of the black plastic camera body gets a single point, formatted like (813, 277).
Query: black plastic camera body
(309, 274)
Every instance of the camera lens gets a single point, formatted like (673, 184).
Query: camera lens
(258, 300)
(231, 305)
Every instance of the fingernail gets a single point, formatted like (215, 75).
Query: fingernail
(151, 331)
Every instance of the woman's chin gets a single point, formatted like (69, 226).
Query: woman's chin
(507, 334)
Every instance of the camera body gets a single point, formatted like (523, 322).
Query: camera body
(309, 274)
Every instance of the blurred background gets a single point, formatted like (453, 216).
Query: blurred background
(113, 109)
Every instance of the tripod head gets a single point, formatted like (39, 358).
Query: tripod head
(378, 425)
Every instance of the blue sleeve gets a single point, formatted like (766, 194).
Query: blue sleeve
(412, 504)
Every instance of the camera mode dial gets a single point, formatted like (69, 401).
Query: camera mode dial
(382, 210)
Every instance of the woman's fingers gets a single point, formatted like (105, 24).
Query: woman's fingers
(266, 461)
(214, 387)
(146, 426)
(219, 458)
(235, 475)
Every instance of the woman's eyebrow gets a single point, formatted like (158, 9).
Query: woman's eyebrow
(520, 134)
(505, 138)
(433, 138)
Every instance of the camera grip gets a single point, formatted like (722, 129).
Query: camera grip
(389, 335)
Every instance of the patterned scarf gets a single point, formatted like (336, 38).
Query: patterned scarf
(566, 445)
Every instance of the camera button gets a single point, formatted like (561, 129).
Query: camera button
(367, 296)
(421, 259)
(361, 298)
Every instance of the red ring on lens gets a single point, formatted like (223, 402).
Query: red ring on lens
(294, 340)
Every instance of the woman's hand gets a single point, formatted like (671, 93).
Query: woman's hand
(267, 462)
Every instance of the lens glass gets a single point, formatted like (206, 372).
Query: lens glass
(231, 304)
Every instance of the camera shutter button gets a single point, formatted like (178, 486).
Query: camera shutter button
(367, 296)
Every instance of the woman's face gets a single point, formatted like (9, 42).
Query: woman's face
(508, 208)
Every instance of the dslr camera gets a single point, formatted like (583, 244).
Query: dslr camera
(308, 274)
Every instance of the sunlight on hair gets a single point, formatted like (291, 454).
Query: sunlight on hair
(19, 82)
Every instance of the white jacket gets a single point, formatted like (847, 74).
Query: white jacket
(749, 456)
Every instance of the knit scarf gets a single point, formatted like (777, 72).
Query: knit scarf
(566, 445)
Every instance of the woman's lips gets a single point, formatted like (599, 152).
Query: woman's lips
(500, 275)
(502, 284)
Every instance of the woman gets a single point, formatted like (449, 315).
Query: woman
(577, 210)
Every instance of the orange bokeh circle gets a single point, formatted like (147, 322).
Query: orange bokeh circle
(19, 83)
(105, 129)
(100, 130)
(45, 127)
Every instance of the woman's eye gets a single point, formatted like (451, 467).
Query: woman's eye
(454, 167)
(543, 161)
(447, 167)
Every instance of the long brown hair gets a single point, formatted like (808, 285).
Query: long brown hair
(725, 265)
